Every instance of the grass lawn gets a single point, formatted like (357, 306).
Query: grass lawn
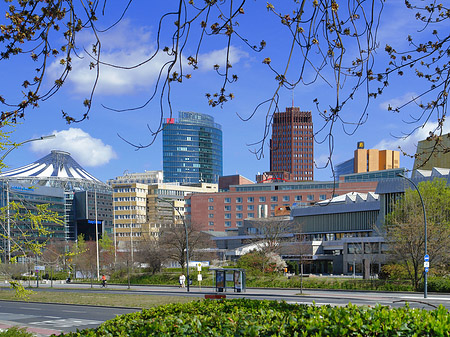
(105, 299)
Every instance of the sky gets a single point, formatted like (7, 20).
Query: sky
(101, 144)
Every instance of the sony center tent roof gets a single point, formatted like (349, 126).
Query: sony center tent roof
(56, 166)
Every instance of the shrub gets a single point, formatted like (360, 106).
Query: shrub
(245, 317)
(393, 272)
(15, 332)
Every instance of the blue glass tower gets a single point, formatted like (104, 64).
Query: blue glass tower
(192, 149)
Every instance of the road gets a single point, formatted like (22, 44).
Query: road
(46, 319)
(51, 318)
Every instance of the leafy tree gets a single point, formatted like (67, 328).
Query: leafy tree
(106, 245)
(260, 262)
(332, 42)
(405, 229)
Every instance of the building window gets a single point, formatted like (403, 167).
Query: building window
(250, 207)
(238, 215)
(310, 197)
(228, 208)
(238, 207)
(286, 198)
(210, 199)
(262, 199)
(250, 199)
(250, 215)
(298, 198)
(227, 223)
(238, 223)
(322, 197)
(211, 223)
(274, 198)
(227, 200)
(210, 208)
(210, 215)
(238, 200)
(273, 207)
(227, 216)
(354, 248)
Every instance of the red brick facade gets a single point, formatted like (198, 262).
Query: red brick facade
(292, 144)
(227, 210)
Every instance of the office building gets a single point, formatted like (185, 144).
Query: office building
(292, 145)
(192, 149)
(226, 211)
(58, 180)
(147, 177)
(432, 153)
(141, 211)
(369, 160)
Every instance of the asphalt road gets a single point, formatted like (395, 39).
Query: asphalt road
(52, 318)
(46, 319)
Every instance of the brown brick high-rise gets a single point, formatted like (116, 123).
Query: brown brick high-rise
(292, 145)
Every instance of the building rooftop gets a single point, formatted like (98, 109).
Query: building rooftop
(58, 164)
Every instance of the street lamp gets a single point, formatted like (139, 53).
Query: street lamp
(186, 233)
(425, 277)
(15, 146)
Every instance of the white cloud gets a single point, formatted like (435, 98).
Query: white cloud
(409, 143)
(126, 46)
(398, 101)
(208, 60)
(85, 149)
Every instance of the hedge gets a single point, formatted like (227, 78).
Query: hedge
(245, 317)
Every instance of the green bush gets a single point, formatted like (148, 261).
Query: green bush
(394, 272)
(437, 284)
(15, 332)
(245, 317)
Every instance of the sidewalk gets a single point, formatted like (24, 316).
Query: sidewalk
(39, 332)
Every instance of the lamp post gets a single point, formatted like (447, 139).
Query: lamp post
(425, 276)
(15, 146)
(186, 234)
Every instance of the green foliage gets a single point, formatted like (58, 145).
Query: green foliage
(16, 332)
(245, 317)
(327, 283)
(258, 262)
(437, 284)
(406, 231)
(394, 272)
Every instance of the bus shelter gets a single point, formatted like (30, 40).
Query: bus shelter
(232, 278)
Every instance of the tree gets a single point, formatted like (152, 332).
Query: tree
(334, 43)
(405, 230)
(150, 253)
(173, 243)
(271, 233)
(260, 262)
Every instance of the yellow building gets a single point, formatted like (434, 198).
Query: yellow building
(130, 201)
(141, 211)
(369, 160)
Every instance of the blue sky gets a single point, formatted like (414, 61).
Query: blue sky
(95, 143)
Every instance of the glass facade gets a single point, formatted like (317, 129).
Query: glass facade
(192, 149)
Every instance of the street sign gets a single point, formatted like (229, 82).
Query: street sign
(199, 277)
(426, 264)
(426, 269)
(199, 267)
(426, 258)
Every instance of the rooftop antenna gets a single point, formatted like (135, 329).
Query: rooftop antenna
(292, 97)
